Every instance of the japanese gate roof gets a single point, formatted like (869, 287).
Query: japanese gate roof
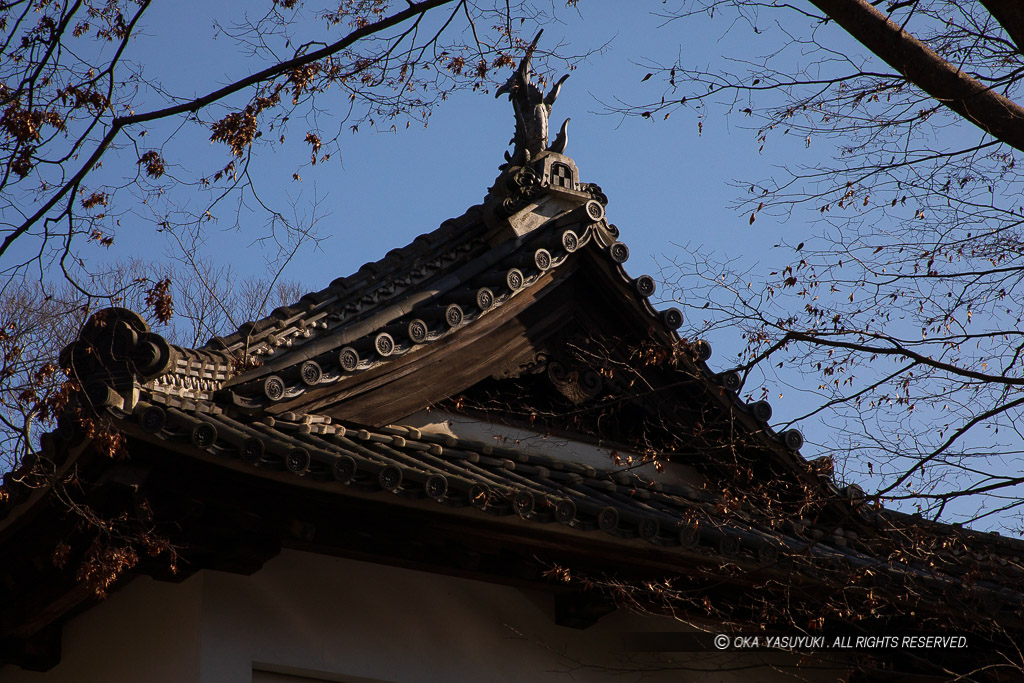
(248, 401)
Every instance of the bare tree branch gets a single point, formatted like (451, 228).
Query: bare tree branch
(996, 115)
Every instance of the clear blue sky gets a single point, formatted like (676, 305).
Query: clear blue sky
(668, 186)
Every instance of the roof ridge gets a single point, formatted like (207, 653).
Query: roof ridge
(423, 248)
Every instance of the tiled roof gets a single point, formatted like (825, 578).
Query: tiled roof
(244, 385)
(379, 321)
(500, 481)
(217, 404)
(441, 283)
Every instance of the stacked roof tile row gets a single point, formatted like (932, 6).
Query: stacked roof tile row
(497, 480)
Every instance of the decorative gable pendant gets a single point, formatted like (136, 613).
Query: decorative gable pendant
(576, 384)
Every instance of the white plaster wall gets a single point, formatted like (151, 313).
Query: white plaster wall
(538, 443)
(148, 632)
(307, 617)
(310, 616)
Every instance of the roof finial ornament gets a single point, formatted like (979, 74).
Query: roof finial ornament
(558, 146)
(532, 110)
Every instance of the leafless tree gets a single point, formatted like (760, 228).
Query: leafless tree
(93, 143)
(86, 138)
(38, 319)
(900, 311)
